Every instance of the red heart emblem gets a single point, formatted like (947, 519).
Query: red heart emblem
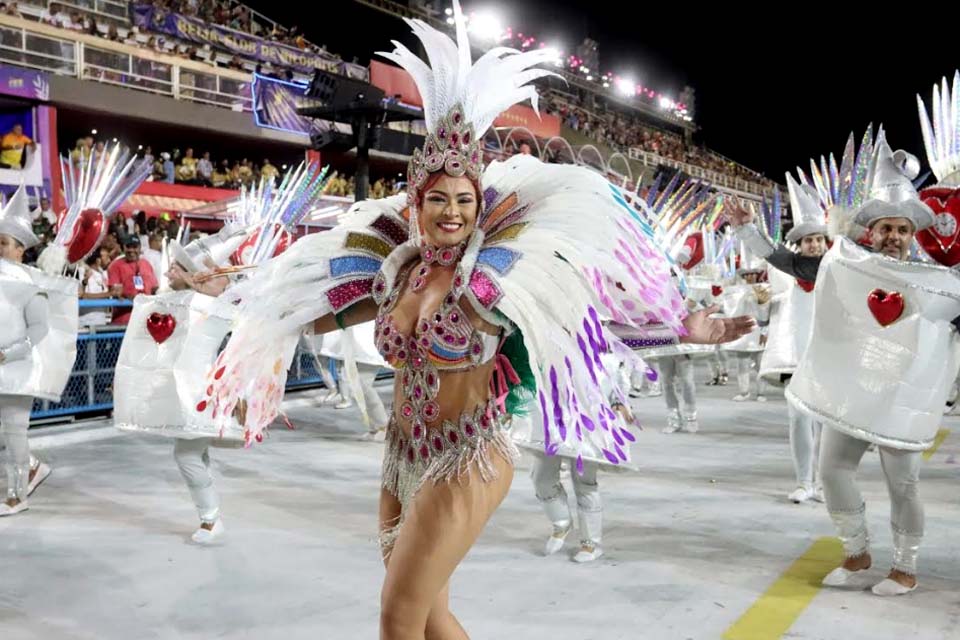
(886, 307)
(942, 240)
(87, 234)
(806, 285)
(716, 290)
(161, 326)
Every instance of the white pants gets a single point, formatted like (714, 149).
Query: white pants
(14, 421)
(553, 497)
(193, 459)
(323, 368)
(718, 363)
(748, 369)
(367, 375)
(804, 433)
(679, 370)
(840, 456)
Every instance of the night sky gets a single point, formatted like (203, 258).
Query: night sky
(769, 96)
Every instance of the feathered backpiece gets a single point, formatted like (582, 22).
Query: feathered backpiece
(93, 192)
(941, 131)
(461, 99)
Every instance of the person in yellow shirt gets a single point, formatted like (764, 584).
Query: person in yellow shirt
(12, 146)
(246, 173)
(187, 171)
(269, 171)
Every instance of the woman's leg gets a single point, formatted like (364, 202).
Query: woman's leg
(441, 524)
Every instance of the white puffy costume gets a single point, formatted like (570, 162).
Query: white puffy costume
(882, 356)
(745, 299)
(174, 337)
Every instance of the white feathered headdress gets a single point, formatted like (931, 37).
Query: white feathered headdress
(461, 99)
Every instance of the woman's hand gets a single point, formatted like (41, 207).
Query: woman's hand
(702, 329)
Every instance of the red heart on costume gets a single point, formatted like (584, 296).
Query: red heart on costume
(942, 240)
(161, 326)
(716, 290)
(886, 307)
(806, 285)
(88, 231)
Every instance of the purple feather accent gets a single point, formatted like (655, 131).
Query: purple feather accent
(587, 422)
(580, 465)
(557, 409)
(593, 344)
(620, 452)
(629, 436)
(546, 421)
(617, 437)
(597, 327)
(603, 421)
(612, 458)
(579, 432)
(652, 375)
(586, 359)
(552, 449)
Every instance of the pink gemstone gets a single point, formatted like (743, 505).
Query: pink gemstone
(417, 432)
(418, 283)
(453, 437)
(449, 339)
(469, 430)
(438, 318)
(423, 271)
(449, 300)
(431, 379)
(466, 138)
(438, 330)
(417, 362)
(428, 254)
(437, 443)
(430, 410)
(407, 410)
(418, 392)
(386, 331)
(454, 317)
(425, 342)
(424, 326)
(457, 281)
(485, 422)
(386, 347)
(402, 354)
(476, 349)
(398, 341)
(455, 138)
(457, 117)
(379, 287)
(442, 133)
(424, 452)
(462, 341)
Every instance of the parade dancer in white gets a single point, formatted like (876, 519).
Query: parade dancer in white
(749, 298)
(859, 374)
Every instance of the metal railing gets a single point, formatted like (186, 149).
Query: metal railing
(38, 46)
(115, 10)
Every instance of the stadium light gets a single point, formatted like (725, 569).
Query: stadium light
(486, 25)
(450, 21)
(666, 103)
(589, 78)
(93, 131)
(626, 86)
(448, 11)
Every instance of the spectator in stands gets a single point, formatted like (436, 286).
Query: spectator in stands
(112, 246)
(246, 173)
(187, 171)
(12, 146)
(98, 150)
(55, 17)
(236, 63)
(525, 149)
(134, 275)
(93, 286)
(11, 9)
(152, 253)
(221, 177)
(148, 154)
(168, 171)
(205, 170)
(113, 35)
(269, 171)
(44, 212)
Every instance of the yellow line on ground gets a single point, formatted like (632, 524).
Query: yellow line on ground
(941, 436)
(778, 608)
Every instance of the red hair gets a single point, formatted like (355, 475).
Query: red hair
(433, 179)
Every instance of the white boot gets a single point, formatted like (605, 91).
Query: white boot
(555, 541)
(801, 494)
(690, 424)
(41, 472)
(673, 422)
(208, 536)
(7, 510)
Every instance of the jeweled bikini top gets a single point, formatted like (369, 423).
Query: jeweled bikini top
(446, 341)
